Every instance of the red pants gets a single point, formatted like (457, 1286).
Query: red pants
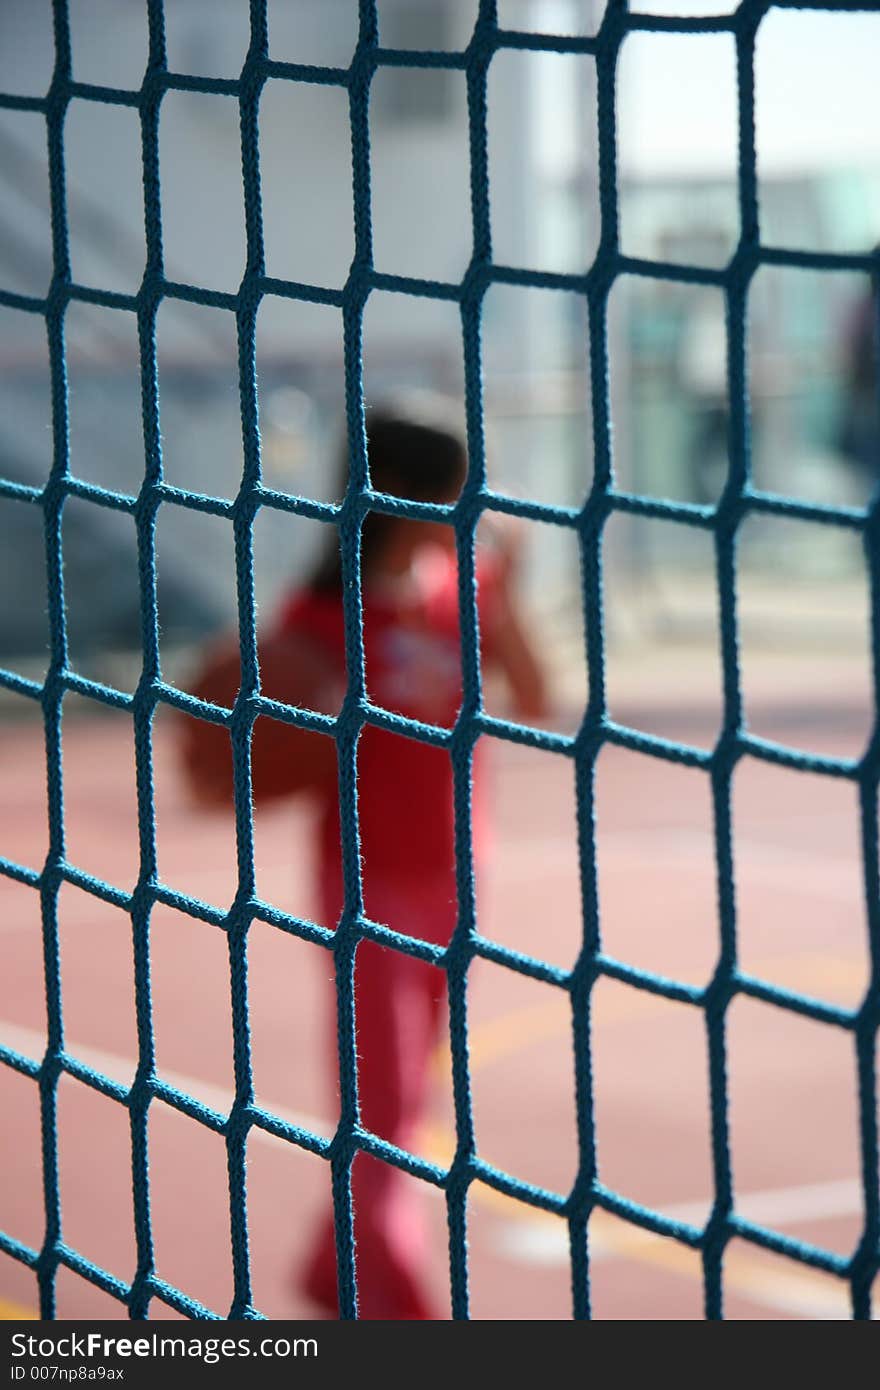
(399, 1016)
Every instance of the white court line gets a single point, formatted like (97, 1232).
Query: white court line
(783, 866)
(787, 1289)
(32, 1043)
(658, 847)
(546, 1242)
(785, 1206)
(775, 1207)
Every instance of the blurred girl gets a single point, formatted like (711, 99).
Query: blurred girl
(405, 807)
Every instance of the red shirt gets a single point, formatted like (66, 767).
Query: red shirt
(413, 667)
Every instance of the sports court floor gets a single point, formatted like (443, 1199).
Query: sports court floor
(794, 1119)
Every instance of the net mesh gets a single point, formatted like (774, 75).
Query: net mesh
(738, 500)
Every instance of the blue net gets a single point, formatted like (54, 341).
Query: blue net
(739, 500)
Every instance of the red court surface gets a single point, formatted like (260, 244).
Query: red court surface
(793, 1097)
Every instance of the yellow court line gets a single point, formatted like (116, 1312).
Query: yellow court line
(805, 1293)
(502, 1036)
(15, 1312)
(507, 1034)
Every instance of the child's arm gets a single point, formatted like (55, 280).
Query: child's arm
(284, 759)
(517, 658)
(511, 647)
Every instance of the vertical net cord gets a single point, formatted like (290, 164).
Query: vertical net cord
(351, 718)
(144, 701)
(864, 1264)
(591, 524)
(245, 509)
(53, 689)
(866, 1256)
(461, 749)
(727, 520)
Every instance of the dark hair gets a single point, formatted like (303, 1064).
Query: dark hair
(414, 452)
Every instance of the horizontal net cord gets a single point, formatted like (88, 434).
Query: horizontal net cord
(729, 750)
(607, 266)
(487, 38)
(704, 517)
(601, 966)
(108, 1283)
(603, 1199)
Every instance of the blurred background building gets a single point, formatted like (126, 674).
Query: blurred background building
(819, 187)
